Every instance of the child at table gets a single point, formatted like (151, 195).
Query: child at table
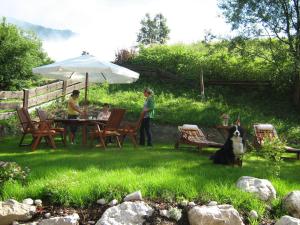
(104, 114)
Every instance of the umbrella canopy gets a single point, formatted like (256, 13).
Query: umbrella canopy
(88, 68)
(99, 71)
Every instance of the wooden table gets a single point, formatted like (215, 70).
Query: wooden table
(84, 123)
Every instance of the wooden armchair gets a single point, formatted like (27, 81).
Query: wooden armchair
(263, 131)
(38, 130)
(43, 116)
(110, 129)
(131, 130)
(192, 135)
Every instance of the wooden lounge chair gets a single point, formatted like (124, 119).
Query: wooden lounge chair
(110, 129)
(262, 131)
(43, 116)
(131, 130)
(38, 130)
(192, 135)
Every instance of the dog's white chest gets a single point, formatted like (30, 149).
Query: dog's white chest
(237, 145)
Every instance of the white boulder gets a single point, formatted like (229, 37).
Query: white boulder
(126, 213)
(135, 196)
(262, 188)
(28, 201)
(113, 202)
(101, 201)
(12, 210)
(253, 214)
(38, 202)
(66, 220)
(191, 204)
(288, 220)
(212, 203)
(291, 203)
(214, 215)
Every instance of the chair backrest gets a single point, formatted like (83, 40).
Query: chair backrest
(115, 119)
(263, 131)
(192, 133)
(42, 114)
(25, 119)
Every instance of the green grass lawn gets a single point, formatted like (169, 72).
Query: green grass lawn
(75, 175)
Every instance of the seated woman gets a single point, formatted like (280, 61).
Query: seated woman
(104, 114)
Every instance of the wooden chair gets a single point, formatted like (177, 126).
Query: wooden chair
(110, 129)
(38, 130)
(192, 135)
(131, 130)
(262, 131)
(43, 116)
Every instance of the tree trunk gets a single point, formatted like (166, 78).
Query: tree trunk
(296, 97)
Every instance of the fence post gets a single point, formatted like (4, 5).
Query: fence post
(64, 89)
(25, 98)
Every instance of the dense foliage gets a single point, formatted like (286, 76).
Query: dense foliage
(20, 51)
(272, 19)
(153, 31)
(237, 59)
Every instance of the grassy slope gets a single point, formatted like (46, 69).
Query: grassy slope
(79, 176)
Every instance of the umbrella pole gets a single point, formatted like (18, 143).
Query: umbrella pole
(85, 94)
(86, 86)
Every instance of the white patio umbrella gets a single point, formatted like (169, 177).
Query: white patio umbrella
(88, 68)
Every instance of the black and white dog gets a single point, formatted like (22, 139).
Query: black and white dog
(232, 151)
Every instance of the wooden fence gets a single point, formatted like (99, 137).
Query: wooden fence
(10, 100)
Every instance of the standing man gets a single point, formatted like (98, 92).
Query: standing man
(149, 114)
(73, 112)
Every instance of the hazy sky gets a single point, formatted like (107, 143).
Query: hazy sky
(104, 26)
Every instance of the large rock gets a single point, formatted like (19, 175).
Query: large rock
(262, 188)
(126, 213)
(12, 210)
(66, 220)
(287, 220)
(291, 203)
(214, 215)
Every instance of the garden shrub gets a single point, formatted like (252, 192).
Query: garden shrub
(11, 171)
(272, 150)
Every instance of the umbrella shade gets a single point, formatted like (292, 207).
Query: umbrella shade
(99, 71)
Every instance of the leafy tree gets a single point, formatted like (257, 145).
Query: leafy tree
(272, 19)
(153, 31)
(20, 51)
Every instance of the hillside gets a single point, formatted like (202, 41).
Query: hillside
(44, 33)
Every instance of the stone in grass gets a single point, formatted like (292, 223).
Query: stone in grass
(101, 201)
(28, 201)
(135, 196)
(66, 220)
(164, 213)
(113, 202)
(11, 210)
(262, 188)
(192, 204)
(47, 215)
(288, 220)
(291, 203)
(38, 202)
(212, 203)
(133, 213)
(214, 215)
(253, 214)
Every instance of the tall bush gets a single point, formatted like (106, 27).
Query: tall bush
(20, 51)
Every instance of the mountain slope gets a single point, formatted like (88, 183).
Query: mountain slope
(44, 33)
